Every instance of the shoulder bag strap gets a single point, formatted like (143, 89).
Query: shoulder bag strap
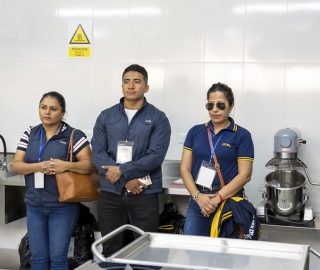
(70, 147)
(216, 164)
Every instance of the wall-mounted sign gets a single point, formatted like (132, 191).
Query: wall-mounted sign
(79, 39)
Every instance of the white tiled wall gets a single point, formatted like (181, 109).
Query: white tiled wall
(267, 51)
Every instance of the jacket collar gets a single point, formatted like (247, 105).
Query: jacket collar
(143, 105)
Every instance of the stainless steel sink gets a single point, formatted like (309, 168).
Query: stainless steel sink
(6, 174)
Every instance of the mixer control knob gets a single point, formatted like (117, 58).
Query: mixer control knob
(285, 142)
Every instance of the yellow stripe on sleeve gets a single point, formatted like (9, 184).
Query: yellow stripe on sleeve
(245, 159)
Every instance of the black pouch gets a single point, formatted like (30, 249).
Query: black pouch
(83, 238)
(170, 220)
(24, 251)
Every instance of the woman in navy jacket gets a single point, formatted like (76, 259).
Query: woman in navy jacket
(41, 153)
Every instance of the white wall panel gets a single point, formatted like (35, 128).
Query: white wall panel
(265, 30)
(224, 30)
(11, 30)
(303, 23)
(267, 51)
(184, 101)
(147, 31)
(111, 31)
(40, 30)
(185, 31)
(263, 100)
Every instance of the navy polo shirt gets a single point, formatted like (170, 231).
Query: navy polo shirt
(234, 144)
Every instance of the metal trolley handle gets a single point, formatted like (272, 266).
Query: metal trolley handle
(315, 252)
(110, 235)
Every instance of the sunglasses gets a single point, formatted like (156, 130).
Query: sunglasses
(221, 106)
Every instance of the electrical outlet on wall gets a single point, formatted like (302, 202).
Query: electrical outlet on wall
(182, 137)
(89, 134)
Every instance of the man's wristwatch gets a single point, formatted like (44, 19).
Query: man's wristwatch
(120, 171)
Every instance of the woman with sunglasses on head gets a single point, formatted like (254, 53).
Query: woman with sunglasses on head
(232, 146)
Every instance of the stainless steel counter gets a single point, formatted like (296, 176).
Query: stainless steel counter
(12, 192)
(16, 180)
(169, 188)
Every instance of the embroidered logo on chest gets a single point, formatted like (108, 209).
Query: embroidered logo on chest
(226, 144)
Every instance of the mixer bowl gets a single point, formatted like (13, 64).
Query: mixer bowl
(285, 191)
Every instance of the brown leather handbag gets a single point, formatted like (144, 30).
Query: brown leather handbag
(76, 187)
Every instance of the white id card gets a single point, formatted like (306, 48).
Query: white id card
(206, 174)
(145, 179)
(38, 180)
(124, 151)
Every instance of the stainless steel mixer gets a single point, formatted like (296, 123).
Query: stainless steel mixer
(286, 198)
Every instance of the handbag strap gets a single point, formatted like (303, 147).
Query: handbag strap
(216, 164)
(70, 147)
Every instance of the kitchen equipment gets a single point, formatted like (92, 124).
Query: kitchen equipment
(285, 191)
(167, 251)
(286, 198)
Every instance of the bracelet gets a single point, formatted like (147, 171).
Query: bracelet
(221, 199)
(196, 197)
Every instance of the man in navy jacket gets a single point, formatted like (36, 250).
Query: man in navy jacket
(130, 141)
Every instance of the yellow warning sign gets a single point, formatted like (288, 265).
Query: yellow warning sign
(79, 51)
(79, 37)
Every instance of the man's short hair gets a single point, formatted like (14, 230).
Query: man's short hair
(139, 69)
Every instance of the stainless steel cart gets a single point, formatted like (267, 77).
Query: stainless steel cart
(197, 252)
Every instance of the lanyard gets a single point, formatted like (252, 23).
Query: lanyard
(41, 138)
(213, 149)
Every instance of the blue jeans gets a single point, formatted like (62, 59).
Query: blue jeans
(49, 231)
(196, 223)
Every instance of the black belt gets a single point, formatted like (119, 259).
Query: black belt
(213, 187)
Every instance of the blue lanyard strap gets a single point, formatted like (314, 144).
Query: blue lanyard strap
(213, 148)
(40, 147)
(41, 142)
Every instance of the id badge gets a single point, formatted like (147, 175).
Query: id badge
(206, 174)
(38, 180)
(146, 180)
(124, 151)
